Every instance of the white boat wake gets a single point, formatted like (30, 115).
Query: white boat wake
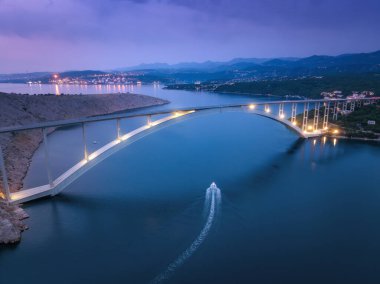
(212, 205)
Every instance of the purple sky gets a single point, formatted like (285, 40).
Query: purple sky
(56, 35)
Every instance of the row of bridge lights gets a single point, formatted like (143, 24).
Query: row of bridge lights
(178, 114)
(149, 124)
(267, 110)
(282, 116)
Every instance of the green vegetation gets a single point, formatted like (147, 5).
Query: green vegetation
(307, 87)
(310, 87)
(355, 124)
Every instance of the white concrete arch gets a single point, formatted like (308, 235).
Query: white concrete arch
(114, 146)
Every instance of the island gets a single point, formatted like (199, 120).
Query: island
(18, 148)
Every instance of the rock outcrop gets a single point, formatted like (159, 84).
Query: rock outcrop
(11, 224)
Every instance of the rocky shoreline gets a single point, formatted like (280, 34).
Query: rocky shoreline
(11, 224)
(18, 148)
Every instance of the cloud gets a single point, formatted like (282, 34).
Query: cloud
(105, 34)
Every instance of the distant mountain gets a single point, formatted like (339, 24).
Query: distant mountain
(260, 68)
(22, 77)
(145, 66)
(207, 65)
(44, 77)
(238, 69)
(323, 61)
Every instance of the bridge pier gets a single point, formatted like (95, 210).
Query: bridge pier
(7, 192)
(47, 158)
(294, 114)
(344, 106)
(316, 115)
(281, 114)
(305, 116)
(118, 129)
(326, 116)
(84, 142)
(352, 107)
(335, 113)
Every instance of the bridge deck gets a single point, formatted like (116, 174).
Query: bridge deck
(81, 167)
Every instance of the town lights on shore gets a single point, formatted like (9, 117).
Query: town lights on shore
(336, 131)
(251, 106)
(310, 127)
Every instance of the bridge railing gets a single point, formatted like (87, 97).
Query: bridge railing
(288, 112)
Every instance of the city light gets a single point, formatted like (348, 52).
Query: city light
(294, 123)
(282, 116)
(267, 110)
(251, 106)
(310, 127)
(336, 131)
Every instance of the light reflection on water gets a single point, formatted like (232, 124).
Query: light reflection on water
(59, 89)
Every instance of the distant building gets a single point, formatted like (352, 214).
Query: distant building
(332, 95)
(361, 95)
(368, 93)
(355, 95)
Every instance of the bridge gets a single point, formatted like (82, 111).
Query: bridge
(306, 118)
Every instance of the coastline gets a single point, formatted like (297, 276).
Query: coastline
(241, 93)
(11, 223)
(18, 148)
(355, 138)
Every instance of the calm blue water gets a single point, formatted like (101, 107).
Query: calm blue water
(292, 211)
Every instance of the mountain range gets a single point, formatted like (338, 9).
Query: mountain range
(235, 69)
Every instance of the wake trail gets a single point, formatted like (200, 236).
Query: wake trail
(212, 203)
